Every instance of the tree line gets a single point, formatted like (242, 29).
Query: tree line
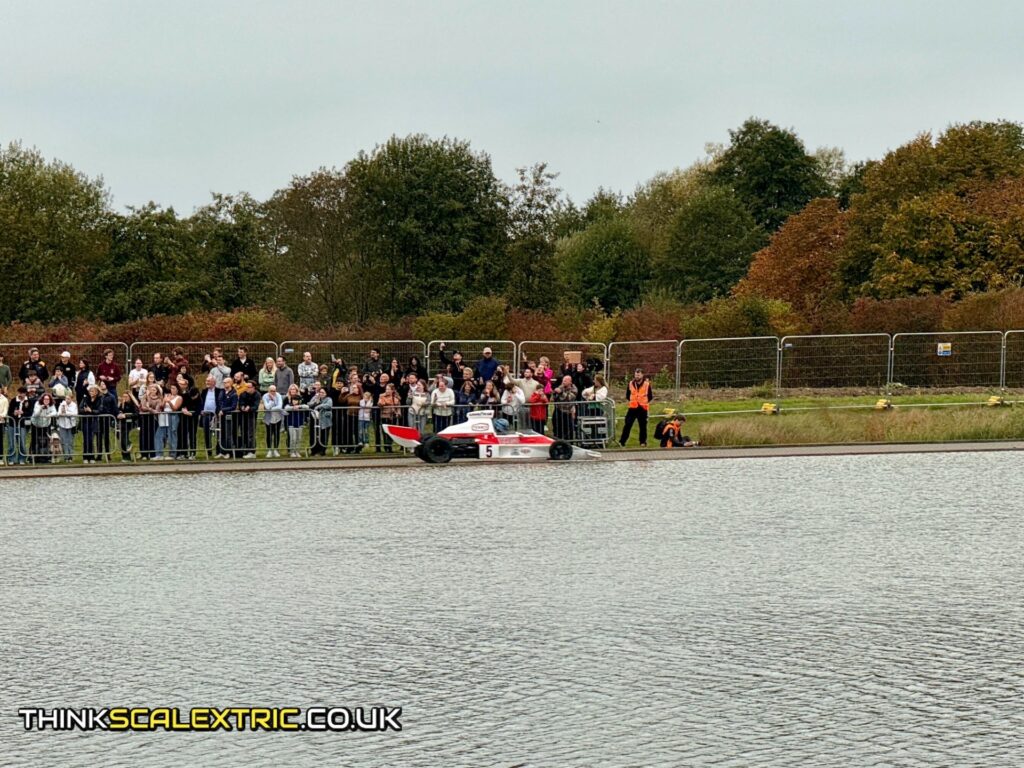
(422, 226)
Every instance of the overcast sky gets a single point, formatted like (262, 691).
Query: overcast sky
(171, 101)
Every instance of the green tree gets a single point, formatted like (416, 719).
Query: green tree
(604, 265)
(770, 171)
(432, 214)
(229, 235)
(713, 240)
(153, 267)
(534, 203)
(53, 233)
(655, 205)
(318, 271)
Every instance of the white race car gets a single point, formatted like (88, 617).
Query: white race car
(477, 438)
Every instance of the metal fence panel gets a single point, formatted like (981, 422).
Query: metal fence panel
(962, 359)
(1013, 360)
(659, 360)
(593, 354)
(749, 361)
(196, 352)
(356, 352)
(471, 350)
(849, 360)
(50, 354)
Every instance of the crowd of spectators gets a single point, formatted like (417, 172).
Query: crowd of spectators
(162, 409)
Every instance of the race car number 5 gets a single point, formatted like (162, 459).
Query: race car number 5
(488, 451)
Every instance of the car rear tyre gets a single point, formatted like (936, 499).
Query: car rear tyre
(560, 451)
(436, 450)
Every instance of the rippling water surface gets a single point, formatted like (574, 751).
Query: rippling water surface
(810, 611)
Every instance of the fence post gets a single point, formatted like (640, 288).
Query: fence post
(1002, 363)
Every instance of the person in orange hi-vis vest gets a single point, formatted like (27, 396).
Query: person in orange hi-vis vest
(640, 393)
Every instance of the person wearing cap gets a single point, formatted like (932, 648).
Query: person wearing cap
(458, 365)
(35, 364)
(5, 376)
(486, 366)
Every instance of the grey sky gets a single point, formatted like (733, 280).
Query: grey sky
(170, 101)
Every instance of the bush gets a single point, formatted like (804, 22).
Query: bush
(915, 314)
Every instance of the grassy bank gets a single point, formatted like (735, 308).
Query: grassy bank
(914, 418)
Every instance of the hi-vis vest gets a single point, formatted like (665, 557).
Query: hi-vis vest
(639, 397)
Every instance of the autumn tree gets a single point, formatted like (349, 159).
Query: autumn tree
(801, 263)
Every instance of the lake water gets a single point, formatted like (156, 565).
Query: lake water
(770, 612)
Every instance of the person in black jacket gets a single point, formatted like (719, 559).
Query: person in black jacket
(127, 418)
(209, 403)
(90, 408)
(33, 364)
(160, 370)
(248, 405)
(455, 361)
(188, 423)
(108, 408)
(242, 364)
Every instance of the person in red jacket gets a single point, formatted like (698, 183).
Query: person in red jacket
(109, 371)
(640, 393)
(538, 410)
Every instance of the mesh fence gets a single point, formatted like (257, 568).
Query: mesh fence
(472, 350)
(727, 363)
(594, 355)
(16, 355)
(1013, 360)
(197, 352)
(657, 358)
(855, 360)
(355, 352)
(947, 359)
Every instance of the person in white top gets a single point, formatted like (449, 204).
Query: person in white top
(598, 392)
(512, 400)
(137, 375)
(67, 420)
(442, 400)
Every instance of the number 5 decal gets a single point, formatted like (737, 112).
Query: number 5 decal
(488, 451)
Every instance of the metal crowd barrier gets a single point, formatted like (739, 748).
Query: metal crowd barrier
(355, 352)
(472, 350)
(44, 439)
(962, 359)
(592, 354)
(839, 360)
(728, 362)
(197, 352)
(659, 360)
(50, 354)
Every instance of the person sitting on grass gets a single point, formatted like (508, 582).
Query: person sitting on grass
(669, 431)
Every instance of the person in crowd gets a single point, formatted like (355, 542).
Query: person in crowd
(415, 367)
(321, 410)
(5, 378)
(220, 370)
(564, 398)
(373, 364)
(284, 376)
(210, 360)
(366, 411)
(442, 401)
(489, 398)
(150, 406)
(544, 374)
(34, 364)
(512, 401)
(144, 388)
(160, 369)
(209, 407)
(296, 416)
(167, 423)
(177, 363)
(58, 383)
(487, 366)
(90, 409)
(108, 413)
(229, 417)
(109, 371)
(394, 371)
(19, 411)
(528, 384)
(266, 376)
(325, 377)
(126, 420)
(538, 410)
(248, 405)
(188, 423)
(598, 391)
(350, 403)
(640, 394)
(376, 388)
(273, 416)
(182, 372)
(390, 406)
(34, 384)
(67, 422)
(581, 378)
(455, 362)
(465, 399)
(308, 373)
(137, 375)
(242, 364)
(5, 405)
(418, 404)
(43, 414)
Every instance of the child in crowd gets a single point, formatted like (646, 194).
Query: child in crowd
(365, 417)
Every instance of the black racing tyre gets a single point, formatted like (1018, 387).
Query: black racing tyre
(560, 451)
(436, 450)
(418, 451)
